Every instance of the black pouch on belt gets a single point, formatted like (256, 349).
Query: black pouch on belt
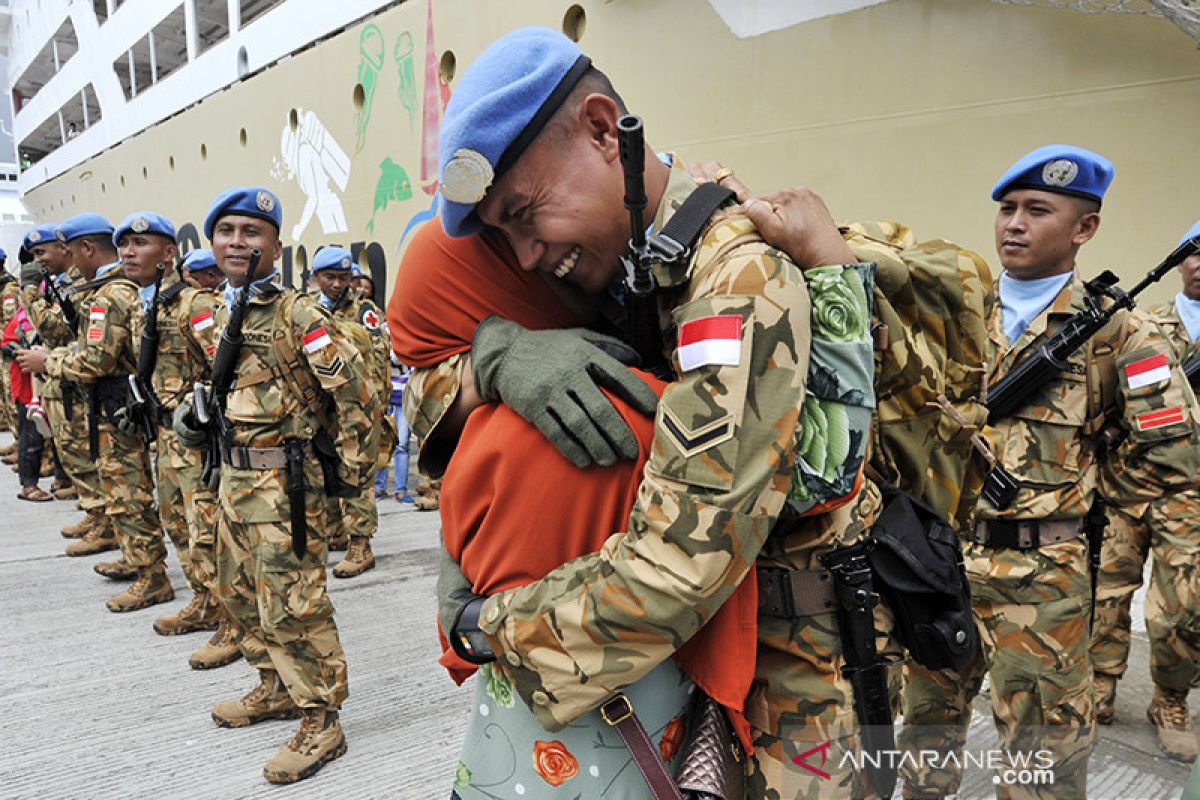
(293, 450)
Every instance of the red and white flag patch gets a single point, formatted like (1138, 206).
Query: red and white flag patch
(1147, 371)
(1160, 418)
(97, 313)
(202, 322)
(316, 340)
(708, 341)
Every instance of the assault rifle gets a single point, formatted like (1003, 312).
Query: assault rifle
(1016, 388)
(144, 405)
(70, 315)
(210, 404)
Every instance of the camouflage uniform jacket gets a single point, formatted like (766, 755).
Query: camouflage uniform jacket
(363, 313)
(263, 409)
(108, 309)
(186, 340)
(1177, 334)
(9, 294)
(1052, 445)
(718, 476)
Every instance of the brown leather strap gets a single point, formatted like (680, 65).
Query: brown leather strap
(1025, 534)
(793, 593)
(257, 377)
(618, 712)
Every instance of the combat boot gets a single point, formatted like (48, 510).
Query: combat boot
(218, 651)
(1169, 713)
(151, 587)
(94, 519)
(319, 741)
(117, 570)
(268, 700)
(94, 541)
(1104, 695)
(339, 542)
(358, 560)
(200, 614)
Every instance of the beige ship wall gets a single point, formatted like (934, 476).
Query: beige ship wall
(906, 110)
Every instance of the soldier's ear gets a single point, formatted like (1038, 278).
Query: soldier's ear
(1085, 228)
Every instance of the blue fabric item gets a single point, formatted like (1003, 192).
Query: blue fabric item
(249, 201)
(332, 258)
(1022, 301)
(3, 254)
(198, 259)
(231, 290)
(400, 459)
(107, 268)
(501, 103)
(144, 222)
(324, 301)
(146, 295)
(39, 235)
(85, 224)
(1192, 233)
(1189, 312)
(1059, 168)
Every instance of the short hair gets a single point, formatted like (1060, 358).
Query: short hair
(101, 241)
(593, 82)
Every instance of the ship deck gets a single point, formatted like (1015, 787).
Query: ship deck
(95, 705)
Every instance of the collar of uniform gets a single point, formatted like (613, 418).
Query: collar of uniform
(107, 268)
(680, 186)
(1068, 301)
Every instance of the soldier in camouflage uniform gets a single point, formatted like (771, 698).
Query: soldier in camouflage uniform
(9, 294)
(102, 359)
(1169, 530)
(722, 464)
(1027, 561)
(286, 386)
(362, 322)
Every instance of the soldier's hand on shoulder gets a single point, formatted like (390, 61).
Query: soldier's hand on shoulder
(798, 222)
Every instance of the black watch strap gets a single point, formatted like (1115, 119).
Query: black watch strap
(467, 638)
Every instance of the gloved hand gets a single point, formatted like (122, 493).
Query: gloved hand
(553, 379)
(126, 421)
(458, 612)
(185, 424)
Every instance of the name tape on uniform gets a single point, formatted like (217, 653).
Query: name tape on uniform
(708, 341)
(1147, 371)
(316, 340)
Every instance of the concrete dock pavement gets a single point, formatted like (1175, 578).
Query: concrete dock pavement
(96, 705)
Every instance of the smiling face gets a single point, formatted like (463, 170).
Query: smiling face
(235, 236)
(1038, 233)
(141, 253)
(53, 256)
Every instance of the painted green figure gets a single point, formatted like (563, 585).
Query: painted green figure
(407, 90)
(393, 185)
(370, 47)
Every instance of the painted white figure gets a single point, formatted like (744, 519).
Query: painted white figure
(315, 159)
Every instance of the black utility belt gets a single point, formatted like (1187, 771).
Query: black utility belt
(262, 458)
(794, 593)
(1025, 534)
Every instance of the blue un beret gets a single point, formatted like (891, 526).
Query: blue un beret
(332, 258)
(1192, 233)
(501, 104)
(1058, 168)
(250, 201)
(198, 259)
(144, 222)
(85, 224)
(39, 235)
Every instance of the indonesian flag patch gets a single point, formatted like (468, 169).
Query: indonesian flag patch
(202, 322)
(1147, 371)
(97, 313)
(316, 340)
(1160, 418)
(710, 341)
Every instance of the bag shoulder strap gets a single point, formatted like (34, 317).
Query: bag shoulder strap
(675, 241)
(287, 350)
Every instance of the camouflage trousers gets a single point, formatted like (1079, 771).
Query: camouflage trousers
(1032, 611)
(1170, 530)
(203, 510)
(360, 515)
(8, 407)
(281, 613)
(176, 464)
(128, 490)
(71, 441)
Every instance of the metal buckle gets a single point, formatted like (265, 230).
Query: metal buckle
(667, 249)
(626, 713)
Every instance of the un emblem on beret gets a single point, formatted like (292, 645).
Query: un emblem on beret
(265, 202)
(139, 225)
(346, 262)
(35, 236)
(467, 177)
(62, 237)
(1059, 172)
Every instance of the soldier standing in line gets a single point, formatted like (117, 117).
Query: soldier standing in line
(9, 294)
(101, 361)
(362, 321)
(1027, 561)
(1170, 532)
(298, 389)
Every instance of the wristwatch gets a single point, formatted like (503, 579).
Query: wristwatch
(466, 637)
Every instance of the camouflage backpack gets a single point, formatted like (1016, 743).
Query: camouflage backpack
(931, 304)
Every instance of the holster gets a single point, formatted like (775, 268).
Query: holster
(856, 599)
(93, 420)
(327, 456)
(70, 394)
(294, 451)
(1094, 525)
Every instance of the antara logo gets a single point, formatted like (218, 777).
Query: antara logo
(802, 760)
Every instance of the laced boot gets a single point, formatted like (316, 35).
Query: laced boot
(1104, 695)
(358, 560)
(268, 700)
(118, 570)
(319, 741)
(200, 614)
(339, 542)
(150, 588)
(218, 651)
(94, 519)
(96, 540)
(1169, 713)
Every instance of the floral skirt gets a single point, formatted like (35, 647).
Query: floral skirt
(508, 755)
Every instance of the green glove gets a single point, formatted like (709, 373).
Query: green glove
(458, 612)
(553, 379)
(126, 422)
(185, 424)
